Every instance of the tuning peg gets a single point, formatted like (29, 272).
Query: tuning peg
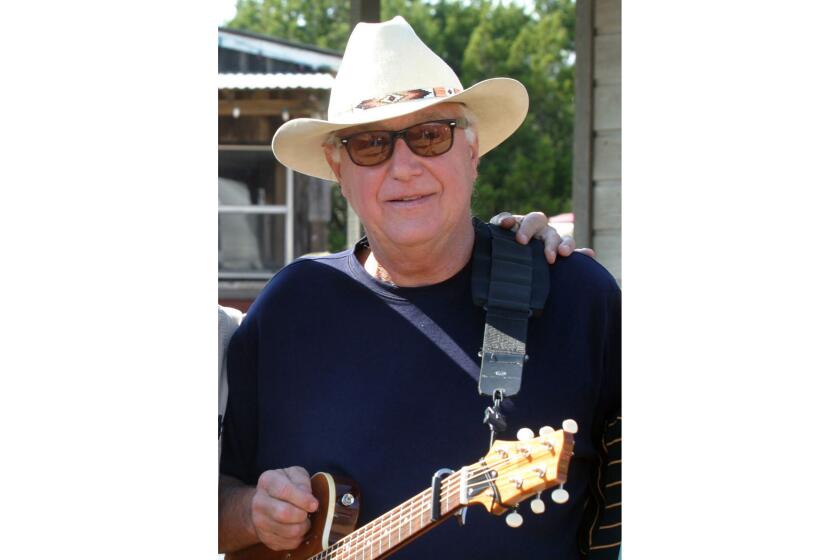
(524, 434)
(560, 496)
(545, 430)
(537, 505)
(513, 519)
(570, 426)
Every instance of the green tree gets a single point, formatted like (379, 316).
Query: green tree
(323, 23)
(479, 39)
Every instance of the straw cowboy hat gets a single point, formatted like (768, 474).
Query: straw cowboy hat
(387, 72)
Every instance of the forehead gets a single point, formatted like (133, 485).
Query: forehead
(440, 111)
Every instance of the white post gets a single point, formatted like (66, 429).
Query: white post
(290, 215)
(354, 227)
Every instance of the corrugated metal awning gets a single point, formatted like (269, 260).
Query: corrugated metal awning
(275, 81)
(305, 55)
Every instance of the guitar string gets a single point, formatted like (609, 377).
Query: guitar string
(373, 537)
(375, 533)
(354, 538)
(371, 534)
(489, 468)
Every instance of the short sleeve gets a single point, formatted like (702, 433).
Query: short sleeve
(239, 433)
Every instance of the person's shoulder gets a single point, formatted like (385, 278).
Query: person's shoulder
(296, 282)
(229, 316)
(581, 272)
(305, 268)
(229, 320)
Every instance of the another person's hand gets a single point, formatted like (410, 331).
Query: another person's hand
(281, 506)
(535, 225)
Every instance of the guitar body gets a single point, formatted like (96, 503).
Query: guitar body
(332, 521)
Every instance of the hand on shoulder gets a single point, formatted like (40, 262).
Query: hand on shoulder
(535, 225)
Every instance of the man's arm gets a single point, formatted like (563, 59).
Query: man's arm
(275, 512)
(236, 530)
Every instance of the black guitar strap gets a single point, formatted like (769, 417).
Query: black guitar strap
(511, 282)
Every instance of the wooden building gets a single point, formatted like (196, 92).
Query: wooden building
(596, 185)
(268, 214)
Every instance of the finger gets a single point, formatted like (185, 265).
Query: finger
(531, 224)
(504, 219)
(586, 251)
(279, 525)
(277, 511)
(299, 476)
(294, 530)
(285, 538)
(566, 246)
(552, 241)
(279, 486)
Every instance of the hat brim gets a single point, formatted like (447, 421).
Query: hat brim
(499, 104)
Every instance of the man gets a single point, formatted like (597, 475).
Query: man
(364, 363)
(534, 225)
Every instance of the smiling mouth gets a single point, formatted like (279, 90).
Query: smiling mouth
(407, 199)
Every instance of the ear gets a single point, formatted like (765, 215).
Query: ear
(334, 165)
(474, 159)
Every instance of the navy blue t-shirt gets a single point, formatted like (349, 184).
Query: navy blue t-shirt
(335, 371)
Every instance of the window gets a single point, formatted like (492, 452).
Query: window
(255, 233)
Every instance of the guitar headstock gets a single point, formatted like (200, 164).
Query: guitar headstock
(515, 470)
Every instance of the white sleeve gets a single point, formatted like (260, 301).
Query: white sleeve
(229, 320)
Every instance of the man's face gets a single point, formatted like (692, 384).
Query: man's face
(410, 199)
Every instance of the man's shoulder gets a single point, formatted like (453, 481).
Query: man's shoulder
(581, 273)
(300, 281)
(307, 268)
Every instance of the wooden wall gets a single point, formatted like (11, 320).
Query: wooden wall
(597, 170)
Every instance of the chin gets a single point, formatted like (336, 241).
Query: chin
(409, 235)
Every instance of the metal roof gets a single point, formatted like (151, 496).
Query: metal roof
(269, 47)
(275, 81)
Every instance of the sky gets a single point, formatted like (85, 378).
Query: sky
(226, 9)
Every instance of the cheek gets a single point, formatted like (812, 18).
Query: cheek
(358, 188)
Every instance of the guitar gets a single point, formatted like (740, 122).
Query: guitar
(510, 472)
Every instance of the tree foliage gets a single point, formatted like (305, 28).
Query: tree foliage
(480, 39)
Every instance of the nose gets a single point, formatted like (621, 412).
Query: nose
(404, 163)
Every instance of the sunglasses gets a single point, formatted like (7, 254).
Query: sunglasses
(428, 139)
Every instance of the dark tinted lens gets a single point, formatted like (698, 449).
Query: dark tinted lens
(429, 139)
(369, 148)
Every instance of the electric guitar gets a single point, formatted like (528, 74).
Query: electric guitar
(510, 472)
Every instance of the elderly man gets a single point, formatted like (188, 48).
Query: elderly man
(364, 363)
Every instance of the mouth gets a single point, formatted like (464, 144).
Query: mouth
(409, 201)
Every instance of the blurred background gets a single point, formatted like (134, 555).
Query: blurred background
(277, 60)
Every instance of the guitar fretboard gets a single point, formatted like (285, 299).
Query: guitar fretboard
(397, 526)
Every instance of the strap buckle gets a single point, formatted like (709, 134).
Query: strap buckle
(502, 372)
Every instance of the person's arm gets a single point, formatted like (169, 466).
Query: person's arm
(604, 529)
(236, 530)
(275, 510)
(535, 225)
(274, 513)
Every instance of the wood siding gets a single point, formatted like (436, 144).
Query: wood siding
(597, 192)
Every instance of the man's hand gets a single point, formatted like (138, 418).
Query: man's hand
(535, 225)
(274, 513)
(281, 506)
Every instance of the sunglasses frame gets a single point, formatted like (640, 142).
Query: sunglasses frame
(458, 122)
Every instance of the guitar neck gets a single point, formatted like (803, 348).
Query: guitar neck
(387, 533)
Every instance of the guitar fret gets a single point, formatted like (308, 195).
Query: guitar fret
(398, 524)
